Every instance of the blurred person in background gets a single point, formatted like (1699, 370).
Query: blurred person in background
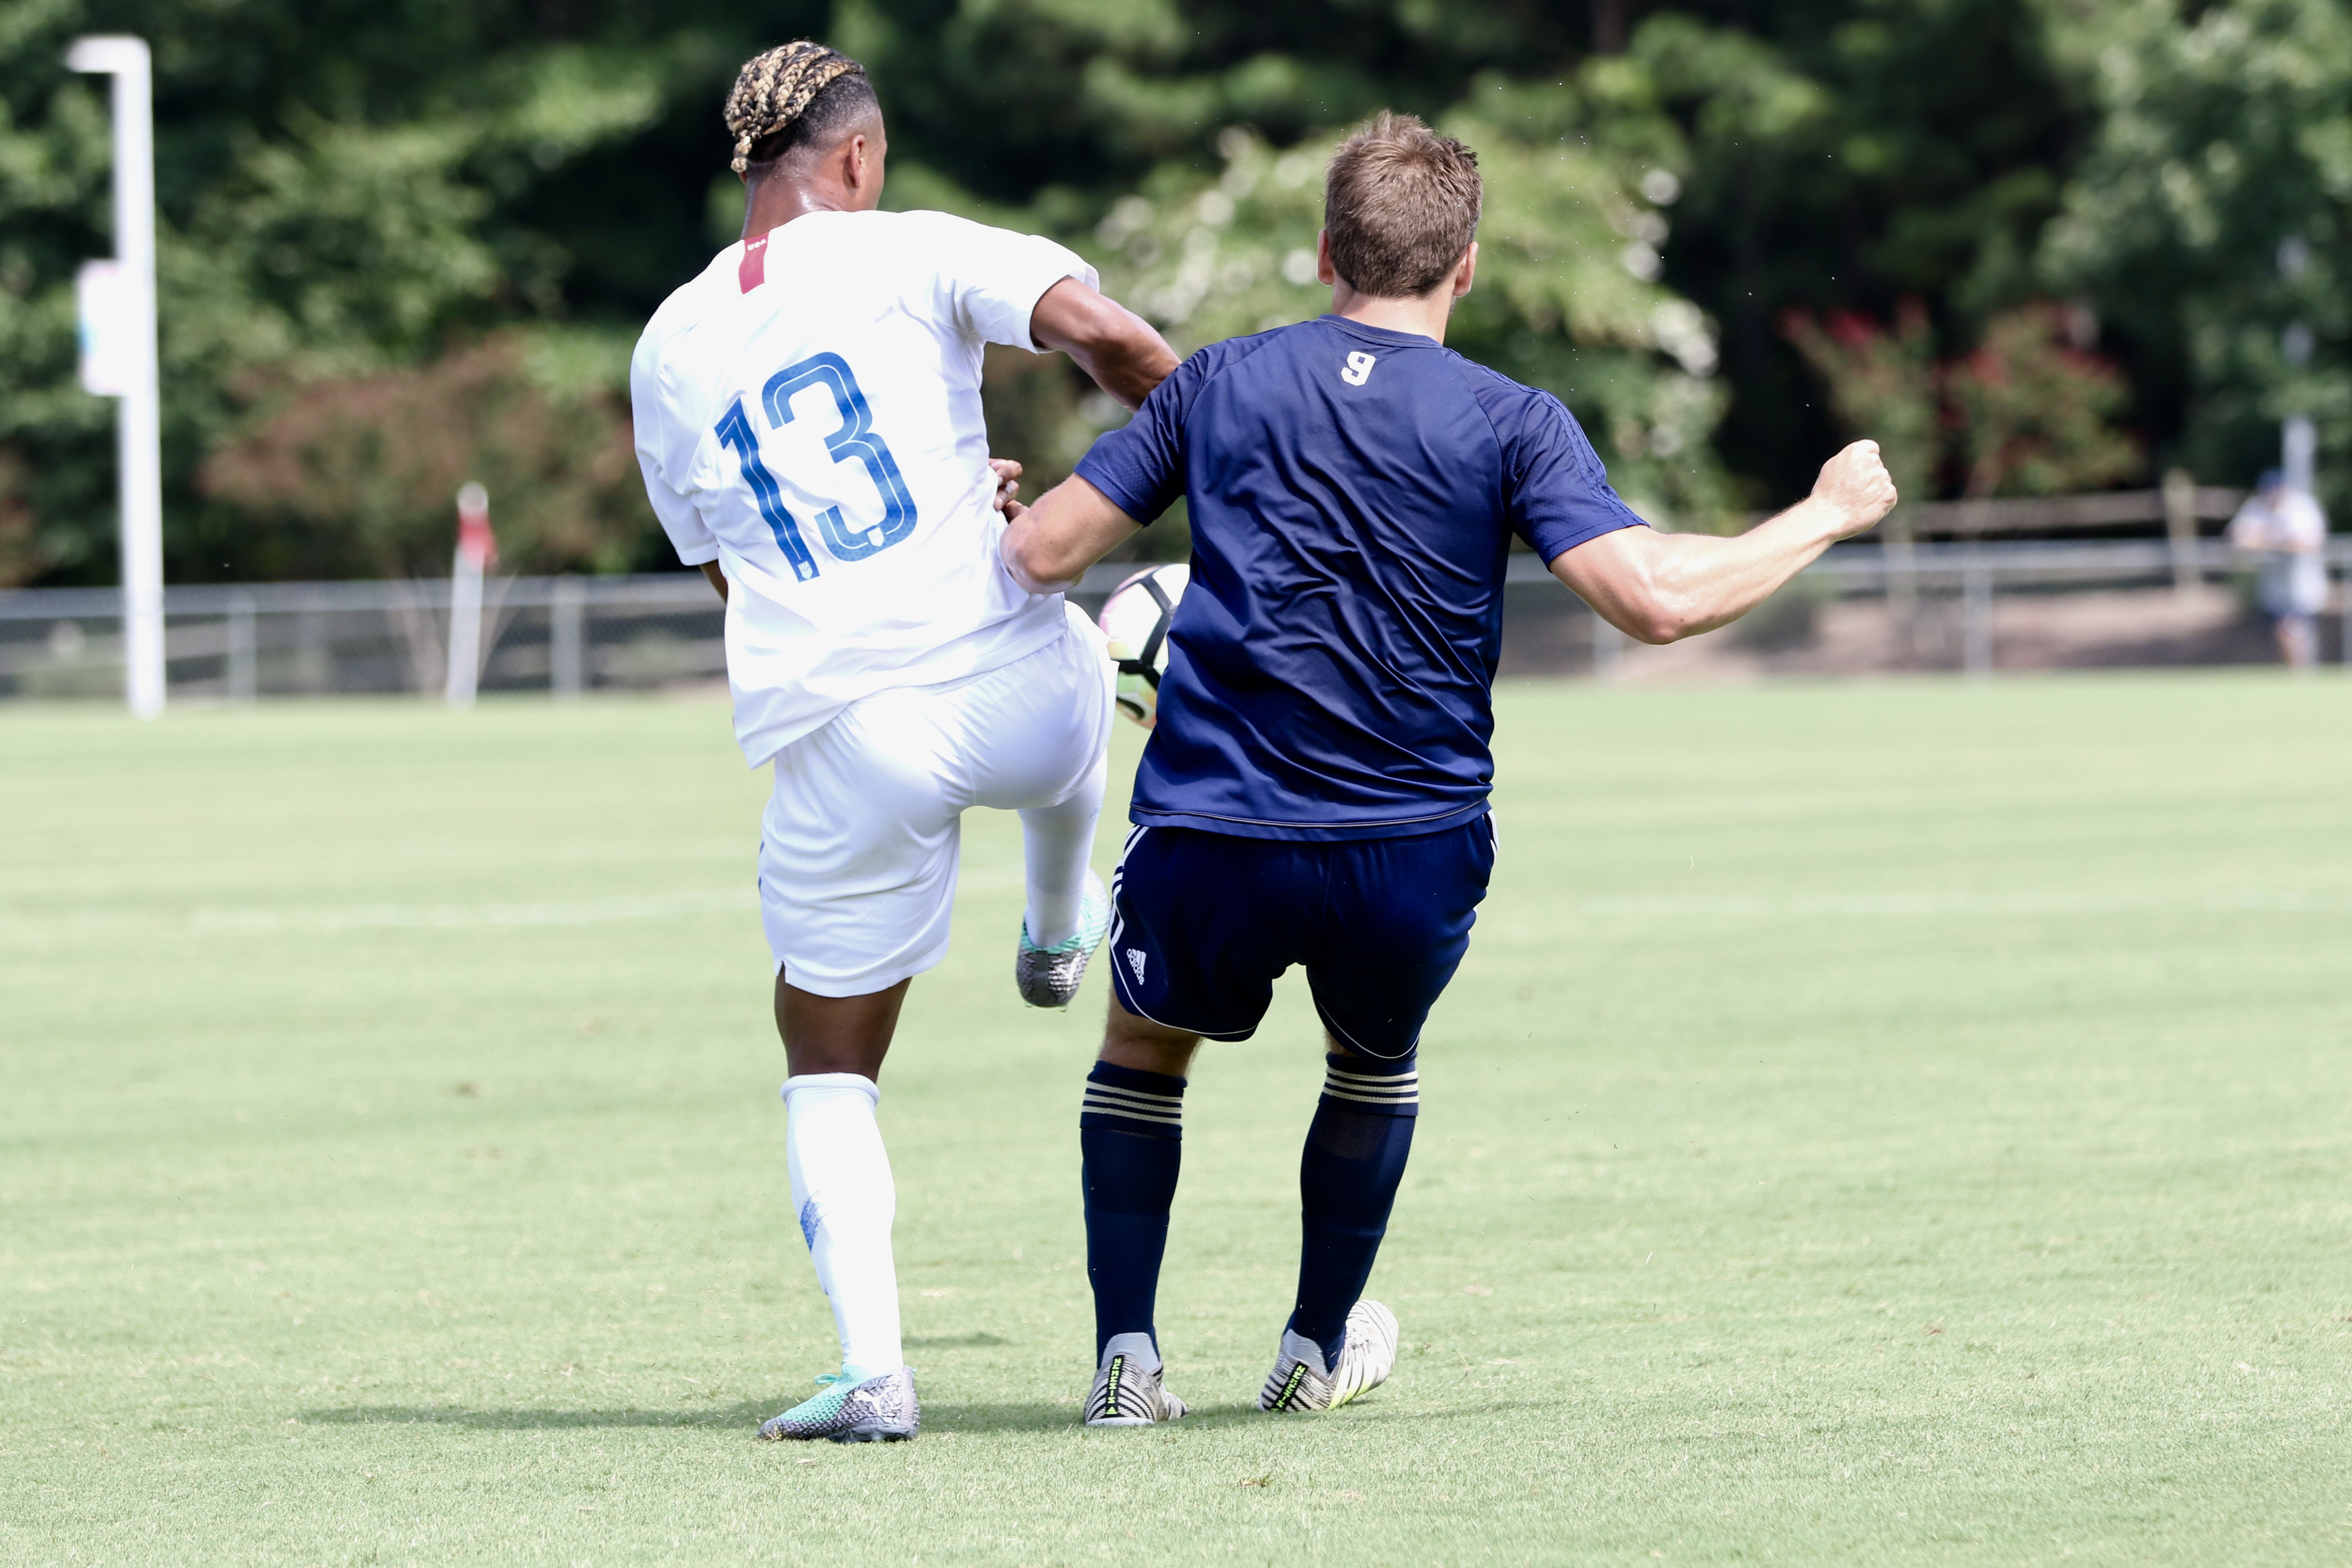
(2283, 529)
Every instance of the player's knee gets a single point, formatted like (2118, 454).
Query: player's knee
(1132, 1042)
(1368, 1059)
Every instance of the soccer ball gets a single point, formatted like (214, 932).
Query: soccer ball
(1135, 619)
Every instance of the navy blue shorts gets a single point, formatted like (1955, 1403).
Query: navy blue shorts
(1205, 923)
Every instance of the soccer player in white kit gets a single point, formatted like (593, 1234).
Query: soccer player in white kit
(808, 419)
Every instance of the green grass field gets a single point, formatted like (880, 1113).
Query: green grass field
(1876, 1123)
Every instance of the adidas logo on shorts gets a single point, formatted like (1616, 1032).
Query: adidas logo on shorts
(1135, 961)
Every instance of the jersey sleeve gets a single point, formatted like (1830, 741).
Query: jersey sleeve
(1140, 466)
(1556, 491)
(664, 468)
(991, 278)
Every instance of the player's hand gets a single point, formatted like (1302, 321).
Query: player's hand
(1008, 483)
(1856, 487)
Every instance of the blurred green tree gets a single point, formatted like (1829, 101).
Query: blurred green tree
(2032, 411)
(2029, 412)
(1566, 297)
(346, 189)
(1882, 382)
(351, 190)
(366, 467)
(1850, 155)
(1825, 151)
(2212, 215)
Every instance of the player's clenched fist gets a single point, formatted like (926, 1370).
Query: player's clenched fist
(1856, 483)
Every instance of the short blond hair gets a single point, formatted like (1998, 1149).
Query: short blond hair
(1400, 205)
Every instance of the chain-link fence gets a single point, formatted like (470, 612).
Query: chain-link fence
(564, 634)
(1970, 607)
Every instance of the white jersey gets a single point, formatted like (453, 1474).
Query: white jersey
(2289, 535)
(808, 416)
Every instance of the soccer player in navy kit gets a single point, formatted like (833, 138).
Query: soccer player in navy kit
(1316, 789)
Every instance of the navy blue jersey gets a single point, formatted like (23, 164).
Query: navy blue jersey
(1354, 492)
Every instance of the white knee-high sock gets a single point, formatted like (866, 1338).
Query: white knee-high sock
(1057, 842)
(845, 1201)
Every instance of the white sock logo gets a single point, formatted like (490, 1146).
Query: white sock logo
(1359, 368)
(1135, 961)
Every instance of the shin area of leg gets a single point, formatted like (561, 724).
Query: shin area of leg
(1131, 1147)
(1057, 844)
(845, 1203)
(1348, 1175)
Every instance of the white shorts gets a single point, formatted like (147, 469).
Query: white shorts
(857, 847)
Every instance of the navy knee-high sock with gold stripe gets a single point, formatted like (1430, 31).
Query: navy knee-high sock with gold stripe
(1354, 1156)
(1131, 1137)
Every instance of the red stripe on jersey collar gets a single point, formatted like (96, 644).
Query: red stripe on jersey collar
(755, 268)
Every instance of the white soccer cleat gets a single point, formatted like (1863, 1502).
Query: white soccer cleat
(1127, 1392)
(1367, 1357)
(1050, 976)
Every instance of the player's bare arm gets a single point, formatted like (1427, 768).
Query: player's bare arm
(1050, 545)
(1660, 587)
(1110, 343)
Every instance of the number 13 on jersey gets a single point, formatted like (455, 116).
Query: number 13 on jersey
(854, 437)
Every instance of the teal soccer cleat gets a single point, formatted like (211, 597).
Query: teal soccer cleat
(1050, 976)
(878, 1410)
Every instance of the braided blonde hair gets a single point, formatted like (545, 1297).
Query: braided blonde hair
(776, 88)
